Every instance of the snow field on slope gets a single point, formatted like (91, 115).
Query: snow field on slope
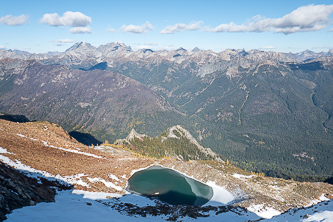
(69, 206)
(72, 207)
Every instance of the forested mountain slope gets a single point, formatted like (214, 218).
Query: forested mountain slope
(266, 111)
(103, 103)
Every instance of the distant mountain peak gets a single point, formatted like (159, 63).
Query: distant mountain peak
(242, 53)
(181, 49)
(81, 45)
(196, 49)
(114, 46)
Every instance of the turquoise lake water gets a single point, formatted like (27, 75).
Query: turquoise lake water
(169, 186)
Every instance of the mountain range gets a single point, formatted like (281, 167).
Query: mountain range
(83, 51)
(269, 112)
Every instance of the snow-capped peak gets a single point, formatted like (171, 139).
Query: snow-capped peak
(111, 49)
(81, 46)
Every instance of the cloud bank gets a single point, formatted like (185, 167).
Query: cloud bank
(138, 29)
(303, 19)
(181, 27)
(14, 20)
(111, 30)
(77, 20)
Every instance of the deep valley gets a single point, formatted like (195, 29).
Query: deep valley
(263, 111)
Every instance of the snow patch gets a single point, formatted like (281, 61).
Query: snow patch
(4, 151)
(144, 168)
(69, 207)
(316, 201)
(74, 179)
(124, 176)
(263, 211)
(113, 177)
(127, 158)
(99, 147)
(323, 198)
(96, 195)
(220, 195)
(106, 183)
(20, 166)
(24, 136)
(326, 216)
(64, 149)
(238, 176)
(72, 151)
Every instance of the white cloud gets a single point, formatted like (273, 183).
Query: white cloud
(143, 47)
(77, 20)
(181, 27)
(14, 20)
(51, 19)
(111, 30)
(61, 42)
(80, 30)
(303, 19)
(2, 47)
(69, 18)
(138, 29)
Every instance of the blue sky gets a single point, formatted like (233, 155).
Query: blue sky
(284, 25)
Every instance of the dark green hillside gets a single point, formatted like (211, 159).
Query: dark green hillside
(270, 123)
(264, 118)
(165, 146)
(321, 80)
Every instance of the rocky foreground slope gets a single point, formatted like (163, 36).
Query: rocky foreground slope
(47, 149)
(19, 190)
